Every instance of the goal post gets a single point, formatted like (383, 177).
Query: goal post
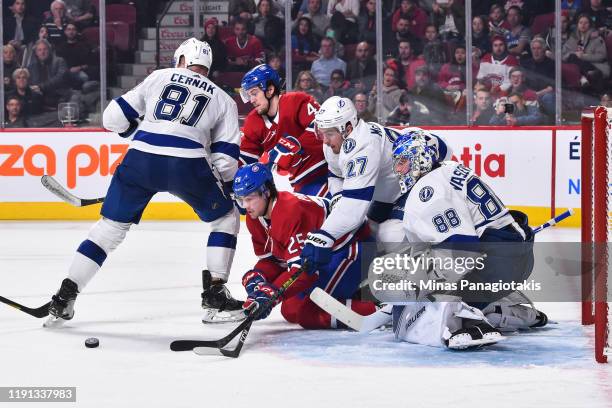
(595, 224)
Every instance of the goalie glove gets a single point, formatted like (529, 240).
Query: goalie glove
(285, 155)
(317, 250)
(263, 298)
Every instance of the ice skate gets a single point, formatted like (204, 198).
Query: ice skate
(218, 304)
(62, 304)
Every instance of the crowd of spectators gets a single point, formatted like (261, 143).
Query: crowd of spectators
(46, 62)
(425, 55)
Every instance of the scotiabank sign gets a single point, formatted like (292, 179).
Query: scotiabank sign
(516, 163)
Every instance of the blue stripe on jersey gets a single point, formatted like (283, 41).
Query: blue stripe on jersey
(330, 174)
(222, 239)
(230, 149)
(92, 251)
(163, 140)
(461, 238)
(126, 108)
(247, 159)
(364, 194)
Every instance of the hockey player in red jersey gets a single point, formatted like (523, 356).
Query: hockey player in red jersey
(278, 223)
(279, 131)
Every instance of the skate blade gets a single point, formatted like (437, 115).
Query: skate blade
(213, 316)
(464, 341)
(54, 322)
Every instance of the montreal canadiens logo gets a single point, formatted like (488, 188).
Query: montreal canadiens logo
(348, 145)
(426, 193)
(255, 169)
(341, 103)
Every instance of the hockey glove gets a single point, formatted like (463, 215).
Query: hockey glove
(317, 250)
(263, 297)
(134, 123)
(286, 153)
(228, 191)
(251, 281)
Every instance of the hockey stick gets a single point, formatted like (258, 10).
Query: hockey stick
(365, 324)
(243, 328)
(39, 312)
(56, 188)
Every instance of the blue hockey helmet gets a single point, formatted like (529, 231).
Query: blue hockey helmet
(251, 178)
(259, 76)
(412, 159)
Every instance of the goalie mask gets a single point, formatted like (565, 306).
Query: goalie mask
(335, 113)
(412, 159)
(195, 52)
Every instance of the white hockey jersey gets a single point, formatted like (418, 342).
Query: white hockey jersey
(451, 203)
(185, 115)
(363, 172)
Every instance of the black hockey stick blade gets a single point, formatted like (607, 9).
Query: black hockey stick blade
(233, 353)
(39, 312)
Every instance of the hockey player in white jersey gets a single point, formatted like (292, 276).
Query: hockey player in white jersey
(361, 179)
(451, 210)
(185, 140)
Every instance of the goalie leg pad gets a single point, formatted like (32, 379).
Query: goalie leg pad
(222, 244)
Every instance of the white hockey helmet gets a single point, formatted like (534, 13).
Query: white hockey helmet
(337, 113)
(196, 52)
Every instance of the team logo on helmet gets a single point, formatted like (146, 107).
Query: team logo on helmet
(341, 103)
(426, 193)
(348, 145)
(255, 169)
(237, 179)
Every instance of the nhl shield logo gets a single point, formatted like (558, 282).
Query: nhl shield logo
(348, 145)
(426, 193)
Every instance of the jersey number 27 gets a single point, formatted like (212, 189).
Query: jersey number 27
(171, 103)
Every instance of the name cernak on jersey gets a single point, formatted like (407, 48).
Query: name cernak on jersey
(197, 83)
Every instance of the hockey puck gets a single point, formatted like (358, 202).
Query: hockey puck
(92, 342)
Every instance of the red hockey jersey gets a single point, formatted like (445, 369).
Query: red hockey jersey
(295, 118)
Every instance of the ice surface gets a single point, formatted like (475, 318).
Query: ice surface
(148, 294)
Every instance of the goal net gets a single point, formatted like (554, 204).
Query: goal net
(595, 221)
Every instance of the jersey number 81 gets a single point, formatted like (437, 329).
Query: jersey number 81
(171, 103)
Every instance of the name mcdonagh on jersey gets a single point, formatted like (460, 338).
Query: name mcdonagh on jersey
(463, 284)
(198, 83)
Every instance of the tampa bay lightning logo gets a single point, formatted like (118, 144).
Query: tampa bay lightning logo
(426, 193)
(348, 145)
(341, 103)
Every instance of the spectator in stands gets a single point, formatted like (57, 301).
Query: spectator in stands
(599, 16)
(391, 39)
(343, 20)
(14, 115)
(211, 36)
(32, 101)
(400, 116)
(517, 85)
(428, 94)
(304, 44)
(367, 22)
(318, 17)
(518, 36)
(56, 22)
(452, 75)
(572, 7)
(47, 73)
(9, 57)
(361, 70)
(540, 72)
(497, 23)
(480, 35)
(495, 67)
(484, 108)
(268, 27)
(80, 12)
(327, 62)
(449, 17)
(606, 100)
(275, 61)
(520, 115)
(19, 29)
(361, 105)
(78, 56)
(241, 9)
(244, 51)
(338, 85)
(587, 50)
(391, 93)
(36, 9)
(434, 51)
(305, 82)
(417, 18)
(406, 64)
